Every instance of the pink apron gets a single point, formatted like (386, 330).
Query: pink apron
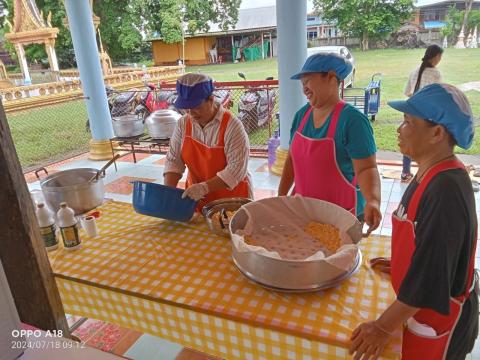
(317, 174)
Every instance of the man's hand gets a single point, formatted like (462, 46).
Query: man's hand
(368, 341)
(196, 191)
(372, 216)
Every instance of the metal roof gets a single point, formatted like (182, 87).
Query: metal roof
(249, 20)
(254, 18)
(424, 3)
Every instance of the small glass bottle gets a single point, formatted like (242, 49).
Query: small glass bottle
(68, 227)
(46, 222)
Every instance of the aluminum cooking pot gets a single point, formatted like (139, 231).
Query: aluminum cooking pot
(161, 123)
(82, 189)
(73, 187)
(127, 125)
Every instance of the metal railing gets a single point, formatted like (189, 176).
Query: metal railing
(54, 127)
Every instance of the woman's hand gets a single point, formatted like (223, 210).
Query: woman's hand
(287, 178)
(369, 182)
(196, 191)
(372, 215)
(368, 341)
(382, 264)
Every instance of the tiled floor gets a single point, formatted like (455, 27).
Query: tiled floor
(150, 168)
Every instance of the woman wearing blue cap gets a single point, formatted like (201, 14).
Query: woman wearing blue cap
(210, 142)
(332, 148)
(434, 237)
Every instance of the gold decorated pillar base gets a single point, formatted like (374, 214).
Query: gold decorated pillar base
(100, 150)
(280, 158)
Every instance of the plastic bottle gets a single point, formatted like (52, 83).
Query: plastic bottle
(273, 144)
(68, 227)
(46, 222)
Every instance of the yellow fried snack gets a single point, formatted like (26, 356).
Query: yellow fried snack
(327, 234)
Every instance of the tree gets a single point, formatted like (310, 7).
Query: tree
(63, 43)
(124, 25)
(165, 17)
(473, 20)
(366, 19)
(468, 7)
(120, 29)
(453, 22)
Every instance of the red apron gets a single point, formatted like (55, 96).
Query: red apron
(416, 346)
(204, 162)
(317, 174)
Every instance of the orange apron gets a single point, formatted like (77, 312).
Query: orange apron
(204, 162)
(416, 346)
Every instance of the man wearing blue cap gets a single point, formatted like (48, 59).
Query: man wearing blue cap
(332, 148)
(434, 237)
(210, 142)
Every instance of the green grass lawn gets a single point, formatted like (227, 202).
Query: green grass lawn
(457, 67)
(49, 133)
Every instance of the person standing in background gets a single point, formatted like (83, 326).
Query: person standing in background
(424, 75)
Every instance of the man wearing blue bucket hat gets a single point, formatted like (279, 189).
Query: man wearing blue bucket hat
(434, 237)
(332, 148)
(210, 142)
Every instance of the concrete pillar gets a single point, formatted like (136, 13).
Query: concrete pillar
(84, 43)
(22, 59)
(291, 55)
(52, 56)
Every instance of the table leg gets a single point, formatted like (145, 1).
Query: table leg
(133, 152)
(113, 155)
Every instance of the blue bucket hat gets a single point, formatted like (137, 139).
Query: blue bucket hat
(442, 104)
(192, 89)
(325, 62)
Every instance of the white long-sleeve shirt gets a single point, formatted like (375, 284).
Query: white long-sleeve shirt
(237, 147)
(429, 76)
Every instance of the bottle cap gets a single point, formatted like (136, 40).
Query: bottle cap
(40, 205)
(63, 205)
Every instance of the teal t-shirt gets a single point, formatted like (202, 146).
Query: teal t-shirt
(353, 140)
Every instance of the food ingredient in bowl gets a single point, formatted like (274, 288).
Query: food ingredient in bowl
(221, 219)
(295, 246)
(327, 234)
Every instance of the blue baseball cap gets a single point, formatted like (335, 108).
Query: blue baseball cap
(442, 104)
(325, 62)
(192, 89)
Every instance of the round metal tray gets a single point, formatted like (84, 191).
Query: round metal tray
(319, 287)
(229, 204)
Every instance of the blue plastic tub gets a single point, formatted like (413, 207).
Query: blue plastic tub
(162, 201)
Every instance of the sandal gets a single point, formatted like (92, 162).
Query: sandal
(406, 178)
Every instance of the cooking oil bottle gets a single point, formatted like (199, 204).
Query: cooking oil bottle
(68, 227)
(46, 222)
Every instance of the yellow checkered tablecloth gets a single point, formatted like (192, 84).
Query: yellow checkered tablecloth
(178, 281)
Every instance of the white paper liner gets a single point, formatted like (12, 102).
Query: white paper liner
(289, 216)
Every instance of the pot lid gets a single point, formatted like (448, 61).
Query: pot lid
(127, 118)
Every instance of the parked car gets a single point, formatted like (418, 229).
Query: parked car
(341, 50)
